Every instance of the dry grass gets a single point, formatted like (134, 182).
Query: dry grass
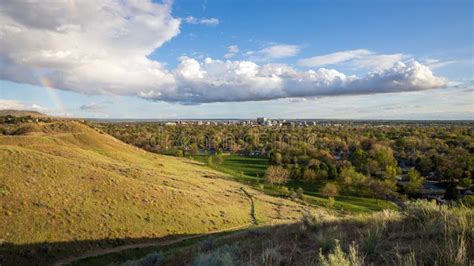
(422, 234)
(63, 181)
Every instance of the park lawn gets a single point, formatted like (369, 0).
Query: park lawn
(244, 169)
(251, 170)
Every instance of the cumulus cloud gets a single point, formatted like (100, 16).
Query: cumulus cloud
(360, 58)
(220, 81)
(274, 52)
(87, 46)
(17, 105)
(102, 48)
(202, 21)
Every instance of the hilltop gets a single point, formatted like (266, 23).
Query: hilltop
(63, 183)
(21, 113)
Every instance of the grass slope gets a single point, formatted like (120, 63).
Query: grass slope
(66, 182)
(424, 233)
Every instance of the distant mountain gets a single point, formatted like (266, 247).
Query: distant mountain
(21, 113)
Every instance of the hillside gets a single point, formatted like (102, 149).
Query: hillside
(68, 185)
(21, 113)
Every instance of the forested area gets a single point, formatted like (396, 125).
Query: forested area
(363, 158)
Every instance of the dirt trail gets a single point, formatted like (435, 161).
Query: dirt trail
(157, 243)
(160, 243)
(253, 218)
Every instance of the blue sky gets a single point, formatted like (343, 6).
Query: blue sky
(242, 59)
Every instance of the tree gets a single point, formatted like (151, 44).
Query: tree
(415, 182)
(452, 192)
(194, 149)
(277, 158)
(380, 189)
(276, 175)
(466, 182)
(309, 175)
(358, 159)
(351, 179)
(330, 190)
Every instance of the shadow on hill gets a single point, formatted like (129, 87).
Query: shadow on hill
(97, 252)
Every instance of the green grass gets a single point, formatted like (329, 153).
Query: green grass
(245, 169)
(251, 170)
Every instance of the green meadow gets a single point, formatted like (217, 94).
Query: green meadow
(251, 171)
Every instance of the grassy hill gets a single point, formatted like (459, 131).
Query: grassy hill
(64, 182)
(21, 113)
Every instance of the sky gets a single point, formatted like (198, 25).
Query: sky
(390, 59)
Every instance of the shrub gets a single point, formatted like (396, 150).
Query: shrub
(372, 239)
(300, 193)
(331, 202)
(150, 260)
(207, 245)
(209, 161)
(223, 256)
(422, 212)
(340, 258)
(468, 201)
(271, 256)
(326, 239)
(219, 159)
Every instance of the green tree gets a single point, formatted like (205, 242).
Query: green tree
(415, 182)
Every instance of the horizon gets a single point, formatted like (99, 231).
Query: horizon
(185, 119)
(177, 60)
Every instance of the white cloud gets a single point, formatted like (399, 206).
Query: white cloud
(86, 46)
(232, 51)
(360, 58)
(436, 63)
(103, 48)
(17, 105)
(222, 81)
(203, 21)
(334, 58)
(95, 106)
(276, 51)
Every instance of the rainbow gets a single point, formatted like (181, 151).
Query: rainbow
(53, 95)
